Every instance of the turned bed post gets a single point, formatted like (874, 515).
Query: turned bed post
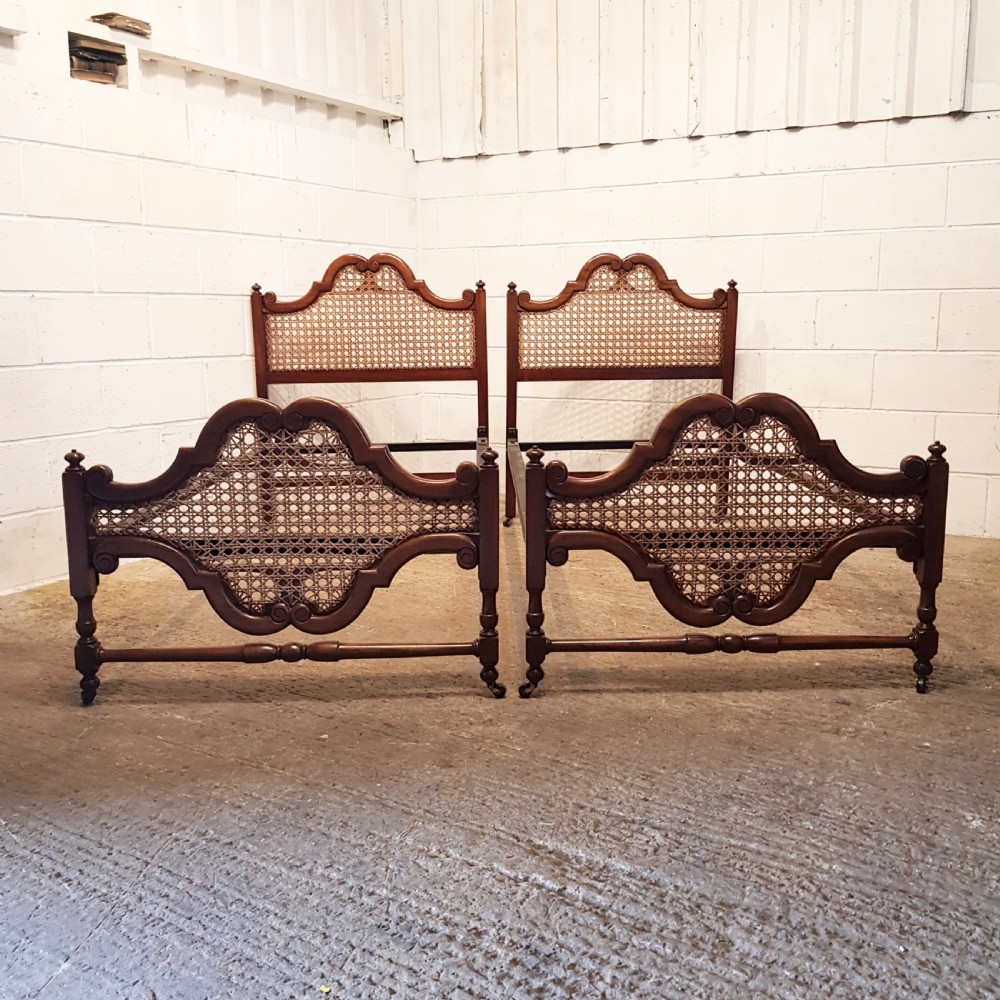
(534, 523)
(82, 577)
(513, 358)
(928, 568)
(488, 646)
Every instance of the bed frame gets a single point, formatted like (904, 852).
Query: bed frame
(735, 510)
(622, 318)
(291, 517)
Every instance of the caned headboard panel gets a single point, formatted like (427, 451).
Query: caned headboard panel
(621, 318)
(369, 319)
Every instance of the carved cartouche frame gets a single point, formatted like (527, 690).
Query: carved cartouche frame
(99, 489)
(910, 541)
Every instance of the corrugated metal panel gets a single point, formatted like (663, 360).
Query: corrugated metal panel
(588, 71)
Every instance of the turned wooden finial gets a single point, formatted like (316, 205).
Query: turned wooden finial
(256, 288)
(535, 455)
(480, 284)
(489, 458)
(511, 286)
(74, 458)
(732, 282)
(937, 451)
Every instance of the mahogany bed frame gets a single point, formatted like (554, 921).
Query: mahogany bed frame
(291, 517)
(735, 510)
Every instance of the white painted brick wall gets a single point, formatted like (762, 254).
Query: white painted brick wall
(132, 226)
(867, 257)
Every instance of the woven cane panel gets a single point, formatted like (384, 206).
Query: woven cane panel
(621, 319)
(286, 517)
(734, 510)
(370, 319)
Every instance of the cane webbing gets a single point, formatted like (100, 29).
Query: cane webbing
(285, 517)
(621, 319)
(370, 320)
(734, 510)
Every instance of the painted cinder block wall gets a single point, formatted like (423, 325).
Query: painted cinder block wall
(131, 228)
(867, 257)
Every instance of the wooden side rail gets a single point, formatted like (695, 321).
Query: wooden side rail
(735, 510)
(283, 517)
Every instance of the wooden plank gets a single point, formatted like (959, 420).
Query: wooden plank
(231, 27)
(499, 76)
(459, 108)
(537, 78)
(794, 82)
(876, 39)
(578, 55)
(939, 57)
(370, 45)
(720, 55)
(821, 46)
(746, 50)
(314, 50)
(421, 78)
(769, 65)
(666, 68)
(281, 41)
(392, 67)
(696, 66)
(850, 52)
(621, 69)
(902, 74)
(982, 82)
(344, 54)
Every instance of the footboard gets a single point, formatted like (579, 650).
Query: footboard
(283, 518)
(735, 510)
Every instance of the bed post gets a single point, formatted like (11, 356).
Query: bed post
(488, 646)
(259, 341)
(729, 340)
(534, 521)
(513, 360)
(82, 577)
(929, 567)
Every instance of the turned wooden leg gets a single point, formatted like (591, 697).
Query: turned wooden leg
(535, 646)
(489, 645)
(509, 497)
(87, 652)
(925, 637)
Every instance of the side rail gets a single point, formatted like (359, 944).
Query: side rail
(735, 510)
(283, 517)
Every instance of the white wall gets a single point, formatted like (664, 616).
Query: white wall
(132, 224)
(501, 76)
(868, 262)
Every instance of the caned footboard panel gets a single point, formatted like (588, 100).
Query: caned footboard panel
(283, 517)
(737, 509)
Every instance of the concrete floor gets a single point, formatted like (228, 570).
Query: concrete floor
(719, 826)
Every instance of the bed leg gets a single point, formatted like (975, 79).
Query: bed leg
(87, 652)
(925, 638)
(489, 645)
(535, 644)
(509, 497)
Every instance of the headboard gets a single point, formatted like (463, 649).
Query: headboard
(369, 320)
(622, 318)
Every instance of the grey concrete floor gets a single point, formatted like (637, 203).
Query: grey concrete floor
(801, 825)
